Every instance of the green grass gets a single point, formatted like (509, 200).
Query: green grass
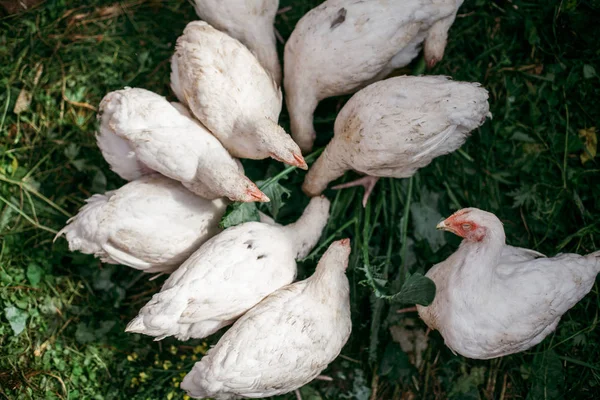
(540, 63)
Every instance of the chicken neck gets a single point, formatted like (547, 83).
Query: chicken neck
(477, 260)
(301, 107)
(327, 168)
(306, 231)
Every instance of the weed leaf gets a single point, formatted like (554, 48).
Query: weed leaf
(425, 216)
(466, 386)
(588, 71)
(395, 364)
(548, 377)
(17, 318)
(417, 289)
(238, 213)
(99, 182)
(34, 274)
(276, 192)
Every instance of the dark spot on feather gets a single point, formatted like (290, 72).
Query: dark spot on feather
(261, 257)
(249, 243)
(341, 17)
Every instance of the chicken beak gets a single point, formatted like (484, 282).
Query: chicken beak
(442, 226)
(296, 160)
(255, 194)
(447, 226)
(300, 163)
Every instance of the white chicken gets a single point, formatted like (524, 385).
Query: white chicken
(250, 22)
(285, 341)
(152, 224)
(141, 132)
(228, 90)
(394, 127)
(493, 299)
(229, 274)
(343, 45)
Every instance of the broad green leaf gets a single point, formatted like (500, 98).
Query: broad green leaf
(548, 377)
(5, 217)
(420, 68)
(76, 94)
(360, 387)
(276, 192)
(417, 289)
(104, 328)
(102, 279)
(377, 284)
(309, 393)
(99, 182)
(87, 333)
(84, 333)
(395, 364)
(588, 71)
(5, 278)
(34, 274)
(17, 318)
(71, 151)
(467, 385)
(32, 183)
(79, 164)
(49, 306)
(425, 216)
(525, 195)
(531, 32)
(522, 137)
(238, 213)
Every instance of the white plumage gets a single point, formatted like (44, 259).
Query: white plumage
(152, 224)
(492, 299)
(227, 89)
(229, 274)
(285, 341)
(250, 22)
(343, 45)
(394, 127)
(141, 132)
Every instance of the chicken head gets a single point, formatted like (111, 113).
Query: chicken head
(470, 224)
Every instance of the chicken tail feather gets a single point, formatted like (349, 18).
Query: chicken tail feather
(197, 383)
(136, 325)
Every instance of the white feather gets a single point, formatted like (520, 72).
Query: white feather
(141, 133)
(394, 127)
(285, 341)
(493, 299)
(152, 224)
(229, 274)
(250, 22)
(229, 91)
(343, 45)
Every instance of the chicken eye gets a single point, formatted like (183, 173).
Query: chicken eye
(466, 227)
